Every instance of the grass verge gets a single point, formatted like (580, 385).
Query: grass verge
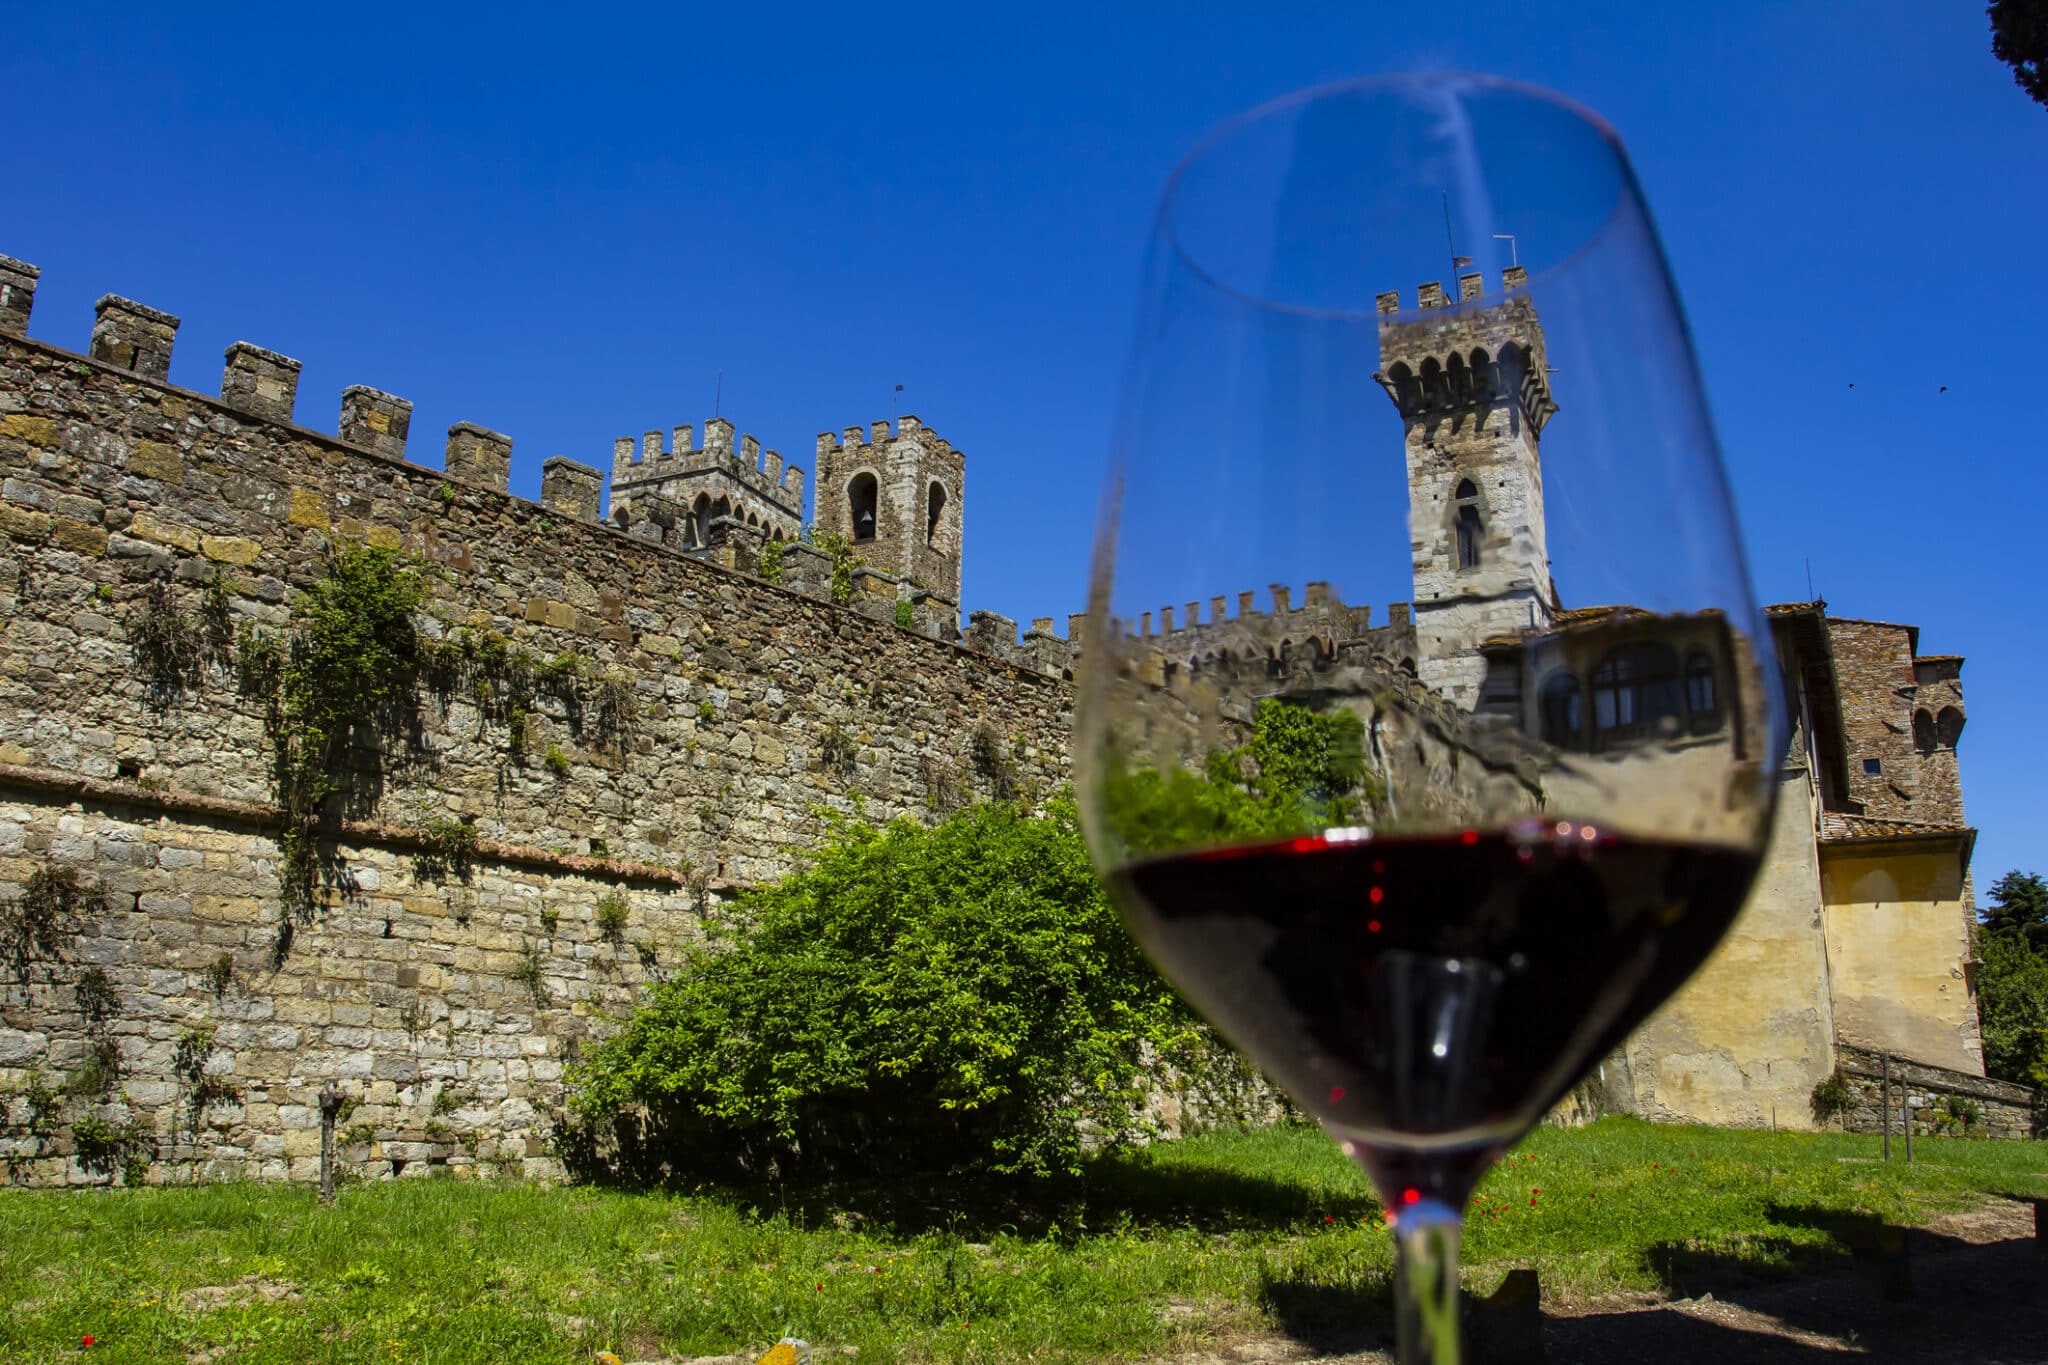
(1155, 1251)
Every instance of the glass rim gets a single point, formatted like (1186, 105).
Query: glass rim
(1167, 230)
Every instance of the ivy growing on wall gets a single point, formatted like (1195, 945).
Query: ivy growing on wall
(173, 648)
(342, 694)
(844, 562)
(36, 925)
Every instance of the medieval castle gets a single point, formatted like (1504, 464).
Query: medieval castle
(529, 869)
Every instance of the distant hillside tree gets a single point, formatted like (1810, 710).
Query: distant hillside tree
(2019, 908)
(2012, 1009)
(2019, 38)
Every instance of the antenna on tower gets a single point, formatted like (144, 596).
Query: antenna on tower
(1514, 251)
(893, 405)
(1449, 244)
(718, 397)
(1809, 580)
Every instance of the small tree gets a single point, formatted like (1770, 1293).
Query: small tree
(2019, 38)
(2012, 1009)
(2019, 907)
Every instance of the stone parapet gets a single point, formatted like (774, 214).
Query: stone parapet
(261, 383)
(133, 336)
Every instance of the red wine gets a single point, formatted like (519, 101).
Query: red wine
(1429, 998)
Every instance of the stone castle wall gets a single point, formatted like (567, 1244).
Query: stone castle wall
(451, 1003)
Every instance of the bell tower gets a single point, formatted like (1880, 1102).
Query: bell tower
(898, 499)
(1469, 381)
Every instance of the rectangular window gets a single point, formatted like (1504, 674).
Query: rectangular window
(1873, 766)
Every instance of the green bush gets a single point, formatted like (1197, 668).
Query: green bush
(954, 997)
(2012, 1007)
(1832, 1098)
(1302, 771)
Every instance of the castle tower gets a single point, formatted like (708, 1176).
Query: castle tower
(706, 484)
(1470, 384)
(898, 498)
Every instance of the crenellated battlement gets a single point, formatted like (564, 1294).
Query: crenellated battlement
(651, 465)
(1447, 356)
(722, 502)
(1183, 640)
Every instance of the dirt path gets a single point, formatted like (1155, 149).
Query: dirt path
(1981, 1295)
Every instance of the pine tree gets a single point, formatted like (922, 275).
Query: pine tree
(2019, 908)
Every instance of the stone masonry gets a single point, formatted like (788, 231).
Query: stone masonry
(447, 1002)
(445, 1007)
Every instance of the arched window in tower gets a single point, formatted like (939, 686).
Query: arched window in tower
(1923, 730)
(1471, 526)
(1948, 727)
(860, 504)
(935, 509)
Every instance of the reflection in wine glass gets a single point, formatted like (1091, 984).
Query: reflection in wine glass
(1423, 872)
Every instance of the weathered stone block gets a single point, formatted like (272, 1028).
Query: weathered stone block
(259, 382)
(133, 336)
(479, 455)
(375, 420)
(17, 294)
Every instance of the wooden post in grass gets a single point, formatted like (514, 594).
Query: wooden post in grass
(330, 1106)
(1884, 1100)
(1906, 1122)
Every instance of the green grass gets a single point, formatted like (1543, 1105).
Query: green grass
(1241, 1233)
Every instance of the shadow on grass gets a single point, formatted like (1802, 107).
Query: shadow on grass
(1332, 1319)
(1115, 1192)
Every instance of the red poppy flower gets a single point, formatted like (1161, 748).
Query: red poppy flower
(1328, 1219)
(821, 1289)
(85, 1340)
(1532, 1203)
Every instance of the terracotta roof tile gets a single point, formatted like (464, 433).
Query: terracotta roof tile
(1837, 825)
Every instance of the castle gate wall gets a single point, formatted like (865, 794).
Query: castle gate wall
(755, 709)
(1897, 944)
(1747, 1039)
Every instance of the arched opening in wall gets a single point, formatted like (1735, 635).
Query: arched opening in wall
(1458, 378)
(1923, 731)
(1471, 526)
(1406, 390)
(1432, 382)
(1513, 366)
(861, 505)
(1408, 666)
(1702, 693)
(699, 518)
(1948, 727)
(1482, 374)
(935, 509)
(1563, 711)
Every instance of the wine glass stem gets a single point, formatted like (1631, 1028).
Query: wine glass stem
(1426, 1283)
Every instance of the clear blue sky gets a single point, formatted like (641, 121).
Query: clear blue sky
(563, 222)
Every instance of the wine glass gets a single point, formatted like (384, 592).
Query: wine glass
(1426, 834)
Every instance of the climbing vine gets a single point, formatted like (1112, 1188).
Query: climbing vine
(844, 562)
(173, 648)
(342, 693)
(35, 925)
(771, 562)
